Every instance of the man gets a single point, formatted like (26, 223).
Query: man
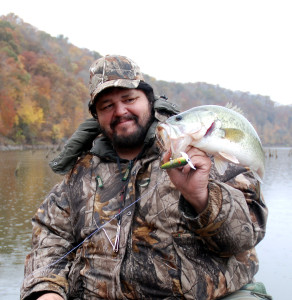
(119, 227)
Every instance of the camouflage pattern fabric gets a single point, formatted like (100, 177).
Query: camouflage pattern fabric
(166, 250)
(111, 71)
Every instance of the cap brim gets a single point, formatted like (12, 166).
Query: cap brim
(123, 83)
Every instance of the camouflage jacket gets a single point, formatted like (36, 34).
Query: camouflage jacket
(166, 250)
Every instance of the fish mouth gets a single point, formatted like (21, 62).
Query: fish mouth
(170, 138)
(163, 138)
(176, 138)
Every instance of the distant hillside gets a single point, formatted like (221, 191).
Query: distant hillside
(44, 90)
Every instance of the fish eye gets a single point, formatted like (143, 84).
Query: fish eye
(178, 118)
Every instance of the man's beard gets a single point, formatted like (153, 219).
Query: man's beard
(132, 140)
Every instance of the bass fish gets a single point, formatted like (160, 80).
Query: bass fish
(220, 131)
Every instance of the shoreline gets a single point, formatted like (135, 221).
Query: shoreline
(7, 147)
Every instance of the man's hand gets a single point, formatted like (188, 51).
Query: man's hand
(193, 184)
(50, 296)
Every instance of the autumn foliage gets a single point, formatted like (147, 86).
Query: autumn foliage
(43, 93)
(44, 90)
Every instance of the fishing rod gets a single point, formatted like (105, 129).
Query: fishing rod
(91, 234)
(183, 161)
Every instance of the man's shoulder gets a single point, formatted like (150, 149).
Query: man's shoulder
(83, 165)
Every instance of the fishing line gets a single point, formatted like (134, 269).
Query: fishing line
(91, 234)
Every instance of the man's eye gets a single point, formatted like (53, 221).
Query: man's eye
(107, 107)
(130, 100)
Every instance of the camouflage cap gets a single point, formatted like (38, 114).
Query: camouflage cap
(113, 71)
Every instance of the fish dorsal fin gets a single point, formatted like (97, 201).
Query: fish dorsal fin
(234, 107)
(229, 157)
(233, 134)
(220, 164)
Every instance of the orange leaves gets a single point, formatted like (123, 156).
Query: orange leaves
(7, 115)
(29, 59)
(42, 85)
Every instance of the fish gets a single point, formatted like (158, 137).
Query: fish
(222, 132)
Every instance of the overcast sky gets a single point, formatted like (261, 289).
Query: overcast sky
(241, 45)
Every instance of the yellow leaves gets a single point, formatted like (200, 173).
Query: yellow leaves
(56, 132)
(61, 129)
(30, 113)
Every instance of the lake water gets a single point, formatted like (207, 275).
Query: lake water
(25, 179)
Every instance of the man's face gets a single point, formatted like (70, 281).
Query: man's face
(124, 116)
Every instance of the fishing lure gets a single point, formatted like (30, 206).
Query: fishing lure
(178, 162)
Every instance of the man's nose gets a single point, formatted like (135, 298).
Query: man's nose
(120, 109)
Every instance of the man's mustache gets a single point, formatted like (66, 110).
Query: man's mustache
(122, 119)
